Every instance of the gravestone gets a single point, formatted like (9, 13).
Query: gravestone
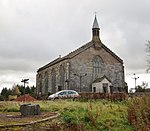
(30, 109)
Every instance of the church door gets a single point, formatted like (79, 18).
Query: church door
(105, 87)
(94, 89)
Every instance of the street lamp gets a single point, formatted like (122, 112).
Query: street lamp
(135, 78)
(25, 81)
(80, 78)
(67, 82)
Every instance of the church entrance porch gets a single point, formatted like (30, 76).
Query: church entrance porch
(101, 85)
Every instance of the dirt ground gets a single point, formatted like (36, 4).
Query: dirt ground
(11, 121)
(16, 118)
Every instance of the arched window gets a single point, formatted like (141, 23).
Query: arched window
(62, 77)
(46, 82)
(97, 64)
(40, 84)
(53, 80)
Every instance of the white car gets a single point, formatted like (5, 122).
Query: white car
(64, 94)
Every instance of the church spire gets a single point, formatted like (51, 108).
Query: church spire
(95, 29)
(95, 24)
(95, 32)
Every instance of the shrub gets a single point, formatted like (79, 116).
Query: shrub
(1, 98)
(139, 113)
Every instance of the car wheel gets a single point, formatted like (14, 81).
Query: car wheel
(74, 98)
(56, 98)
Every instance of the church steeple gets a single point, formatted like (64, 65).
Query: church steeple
(95, 33)
(95, 24)
(95, 29)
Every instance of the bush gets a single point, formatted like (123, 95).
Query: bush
(139, 113)
(1, 98)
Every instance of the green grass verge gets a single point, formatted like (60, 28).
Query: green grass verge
(94, 115)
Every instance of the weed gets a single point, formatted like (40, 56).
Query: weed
(139, 113)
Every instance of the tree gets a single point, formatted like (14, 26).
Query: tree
(141, 88)
(5, 93)
(1, 98)
(33, 91)
(9, 91)
(21, 89)
(28, 90)
(15, 90)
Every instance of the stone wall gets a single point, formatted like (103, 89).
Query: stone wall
(82, 64)
(40, 78)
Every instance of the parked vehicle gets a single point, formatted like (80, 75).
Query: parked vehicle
(64, 94)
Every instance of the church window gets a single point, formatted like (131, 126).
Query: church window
(62, 77)
(53, 80)
(46, 82)
(59, 88)
(40, 84)
(97, 64)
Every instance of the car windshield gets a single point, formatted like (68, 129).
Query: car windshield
(62, 93)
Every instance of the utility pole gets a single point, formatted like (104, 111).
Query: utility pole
(25, 81)
(80, 78)
(135, 78)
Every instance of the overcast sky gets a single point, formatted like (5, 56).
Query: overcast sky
(35, 32)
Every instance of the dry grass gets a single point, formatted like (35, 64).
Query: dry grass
(139, 113)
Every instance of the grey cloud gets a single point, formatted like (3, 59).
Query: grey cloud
(32, 33)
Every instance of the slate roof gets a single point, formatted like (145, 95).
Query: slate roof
(76, 52)
(81, 49)
(100, 79)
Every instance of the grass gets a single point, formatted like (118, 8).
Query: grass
(8, 106)
(98, 116)
(93, 115)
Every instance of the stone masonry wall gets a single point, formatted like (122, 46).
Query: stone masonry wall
(81, 64)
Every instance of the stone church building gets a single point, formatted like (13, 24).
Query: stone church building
(91, 68)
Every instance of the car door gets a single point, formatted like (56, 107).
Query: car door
(70, 94)
(62, 95)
